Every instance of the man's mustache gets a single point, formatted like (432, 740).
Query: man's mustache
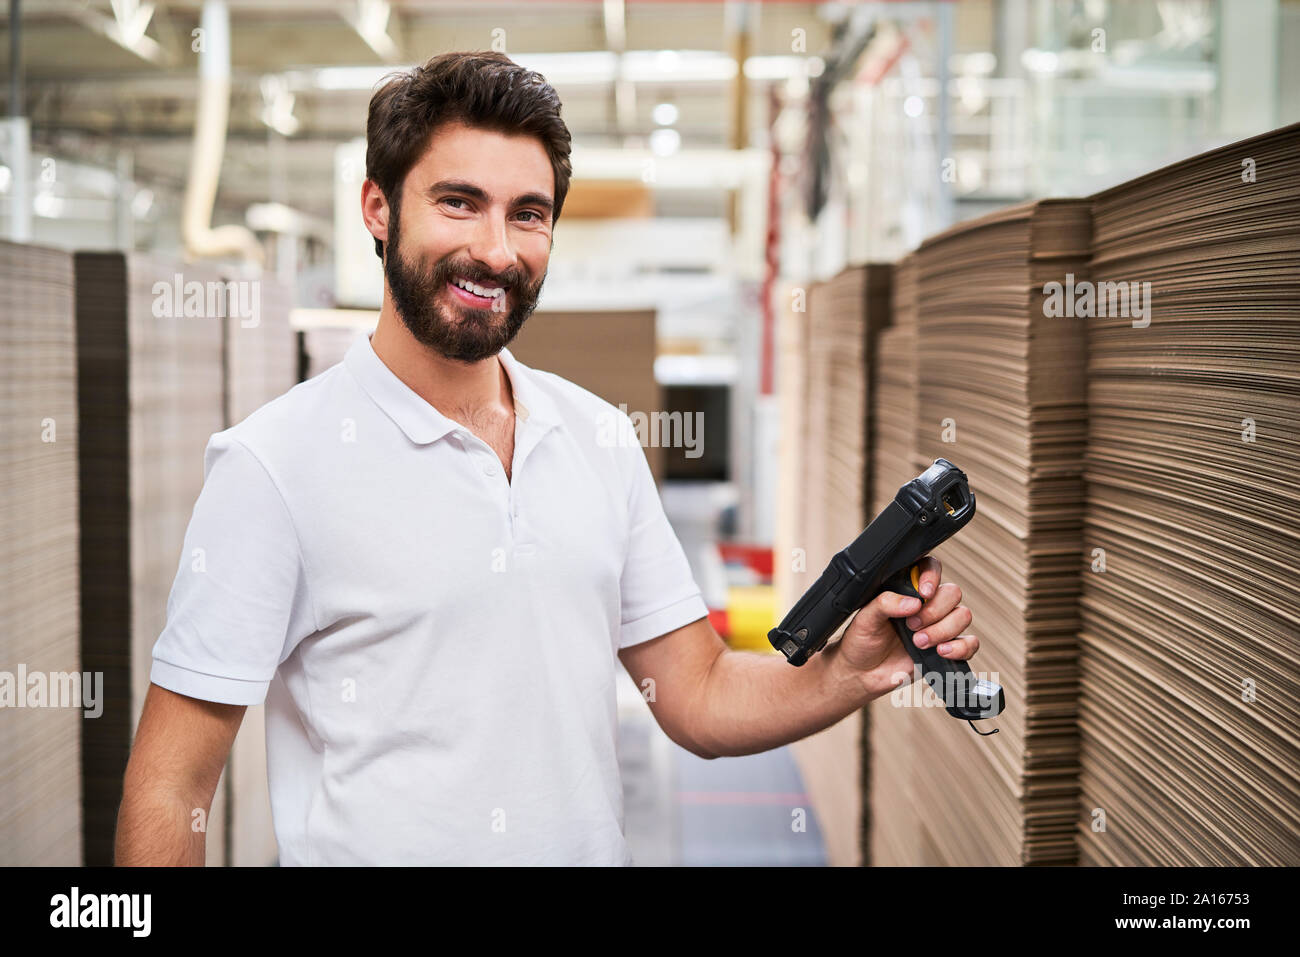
(507, 280)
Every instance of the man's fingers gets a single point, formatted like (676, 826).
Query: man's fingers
(889, 604)
(947, 598)
(959, 648)
(931, 573)
(948, 627)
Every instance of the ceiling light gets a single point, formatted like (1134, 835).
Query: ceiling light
(48, 205)
(141, 203)
(665, 141)
(665, 114)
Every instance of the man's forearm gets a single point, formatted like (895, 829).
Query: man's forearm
(156, 828)
(753, 702)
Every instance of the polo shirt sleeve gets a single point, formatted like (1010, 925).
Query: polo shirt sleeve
(239, 603)
(659, 593)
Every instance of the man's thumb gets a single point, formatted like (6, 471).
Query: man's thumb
(887, 605)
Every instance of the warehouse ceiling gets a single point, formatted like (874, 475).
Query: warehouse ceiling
(106, 77)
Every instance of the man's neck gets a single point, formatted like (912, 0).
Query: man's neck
(453, 388)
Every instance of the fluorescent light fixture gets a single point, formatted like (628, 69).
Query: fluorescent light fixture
(596, 67)
(340, 77)
(1040, 61)
(685, 169)
(677, 66)
(370, 20)
(783, 67)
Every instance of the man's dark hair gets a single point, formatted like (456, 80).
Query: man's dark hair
(486, 90)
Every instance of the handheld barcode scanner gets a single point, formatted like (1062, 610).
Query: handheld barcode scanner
(926, 512)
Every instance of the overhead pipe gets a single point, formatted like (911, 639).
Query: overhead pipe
(212, 115)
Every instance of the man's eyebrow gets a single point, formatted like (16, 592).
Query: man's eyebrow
(478, 192)
(458, 186)
(535, 199)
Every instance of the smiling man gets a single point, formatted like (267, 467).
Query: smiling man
(428, 564)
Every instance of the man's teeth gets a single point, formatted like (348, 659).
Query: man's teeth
(484, 291)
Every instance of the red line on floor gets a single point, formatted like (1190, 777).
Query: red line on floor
(741, 797)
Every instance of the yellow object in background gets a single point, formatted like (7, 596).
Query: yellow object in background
(751, 614)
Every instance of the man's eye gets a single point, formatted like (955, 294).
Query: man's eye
(531, 212)
(454, 199)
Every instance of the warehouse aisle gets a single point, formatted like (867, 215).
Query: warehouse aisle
(682, 810)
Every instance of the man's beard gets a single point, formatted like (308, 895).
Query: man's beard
(473, 334)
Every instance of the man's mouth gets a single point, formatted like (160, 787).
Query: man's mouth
(473, 294)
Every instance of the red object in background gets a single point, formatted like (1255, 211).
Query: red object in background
(757, 557)
(718, 619)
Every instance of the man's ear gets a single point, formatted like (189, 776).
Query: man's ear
(375, 210)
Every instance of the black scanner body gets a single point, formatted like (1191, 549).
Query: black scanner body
(926, 512)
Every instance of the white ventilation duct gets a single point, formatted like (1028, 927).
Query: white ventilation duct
(211, 116)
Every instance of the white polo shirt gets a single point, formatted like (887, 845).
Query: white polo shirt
(436, 645)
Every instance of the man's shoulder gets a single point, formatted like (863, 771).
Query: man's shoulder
(284, 426)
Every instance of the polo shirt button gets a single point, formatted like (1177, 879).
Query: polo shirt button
(489, 470)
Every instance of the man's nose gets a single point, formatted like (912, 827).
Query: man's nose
(491, 244)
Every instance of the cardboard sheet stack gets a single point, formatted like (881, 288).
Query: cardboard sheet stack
(1000, 393)
(1190, 718)
(850, 312)
(610, 353)
(845, 316)
(891, 827)
(261, 356)
(326, 346)
(150, 379)
(261, 364)
(40, 743)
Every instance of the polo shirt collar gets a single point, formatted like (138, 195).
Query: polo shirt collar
(532, 403)
(422, 423)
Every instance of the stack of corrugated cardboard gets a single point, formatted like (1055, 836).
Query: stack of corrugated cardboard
(610, 353)
(326, 346)
(1190, 704)
(846, 316)
(999, 392)
(261, 364)
(150, 378)
(890, 822)
(43, 704)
